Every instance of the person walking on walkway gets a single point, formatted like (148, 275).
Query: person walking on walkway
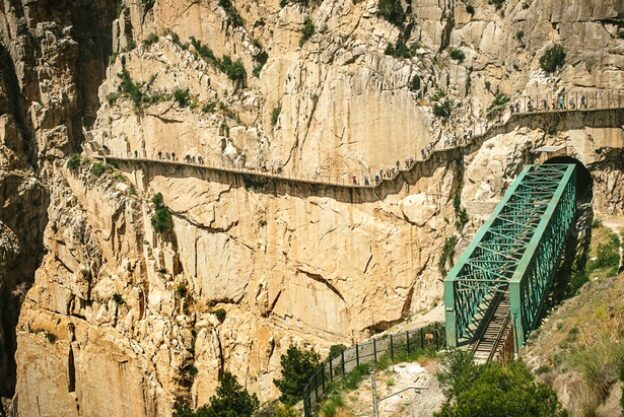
(583, 102)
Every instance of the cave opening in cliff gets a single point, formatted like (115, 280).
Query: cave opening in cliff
(584, 181)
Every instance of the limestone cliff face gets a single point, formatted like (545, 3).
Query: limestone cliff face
(121, 320)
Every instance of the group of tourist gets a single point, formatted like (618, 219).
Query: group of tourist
(560, 103)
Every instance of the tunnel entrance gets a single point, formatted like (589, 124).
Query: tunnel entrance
(584, 182)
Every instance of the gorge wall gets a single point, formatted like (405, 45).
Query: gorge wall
(118, 319)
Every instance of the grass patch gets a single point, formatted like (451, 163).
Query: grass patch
(182, 97)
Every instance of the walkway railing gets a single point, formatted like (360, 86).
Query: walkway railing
(505, 114)
(392, 347)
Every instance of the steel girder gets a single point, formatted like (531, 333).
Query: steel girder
(516, 250)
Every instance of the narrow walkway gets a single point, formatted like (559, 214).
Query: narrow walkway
(492, 339)
(518, 108)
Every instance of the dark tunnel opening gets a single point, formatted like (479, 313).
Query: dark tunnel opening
(584, 182)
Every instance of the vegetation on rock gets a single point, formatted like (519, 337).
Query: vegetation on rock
(448, 252)
(457, 54)
(307, 31)
(494, 389)
(443, 109)
(400, 49)
(298, 365)
(553, 59)
(497, 3)
(231, 400)
(391, 10)
(232, 14)
(74, 162)
(161, 218)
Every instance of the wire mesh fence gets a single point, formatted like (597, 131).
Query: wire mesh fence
(390, 347)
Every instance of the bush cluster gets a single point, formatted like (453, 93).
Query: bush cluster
(307, 31)
(457, 54)
(443, 109)
(148, 4)
(74, 162)
(553, 59)
(448, 252)
(161, 218)
(391, 10)
(400, 49)
(182, 97)
(231, 400)
(493, 389)
(497, 3)
(151, 39)
(261, 59)
(233, 16)
(460, 212)
(235, 70)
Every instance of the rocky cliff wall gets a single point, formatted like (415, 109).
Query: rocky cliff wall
(122, 319)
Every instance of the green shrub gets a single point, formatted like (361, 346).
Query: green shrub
(307, 31)
(148, 4)
(297, 368)
(74, 162)
(331, 405)
(220, 314)
(336, 350)
(399, 50)
(182, 290)
(497, 106)
(607, 257)
(209, 107)
(182, 97)
(99, 168)
(415, 83)
(497, 3)
(161, 218)
(151, 39)
(129, 88)
(553, 58)
(457, 54)
(621, 36)
(52, 338)
(275, 113)
(235, 70)
(443, 109)
(261, 59)
(206, 53)
(391, 10)
(494, 389)
(520, 35)
(112, 98)
(231, 400)
(470, 9)
(460, 212)
(600, 362)
(233, 16)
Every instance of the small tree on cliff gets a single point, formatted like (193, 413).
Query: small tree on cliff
(161, 218)
(231, 400)
(297, 368)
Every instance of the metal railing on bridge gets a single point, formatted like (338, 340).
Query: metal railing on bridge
(395, 346)
(517, 251)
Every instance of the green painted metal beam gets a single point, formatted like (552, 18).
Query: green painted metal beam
(517, 249)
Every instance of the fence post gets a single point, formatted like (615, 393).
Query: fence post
(408, 345)
(375, 350)
(342, 362)
(306, 402)
(391, 348)
(357, 355)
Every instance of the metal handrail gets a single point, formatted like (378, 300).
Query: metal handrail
(395, 172)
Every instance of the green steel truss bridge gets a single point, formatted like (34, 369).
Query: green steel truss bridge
(512, 258)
